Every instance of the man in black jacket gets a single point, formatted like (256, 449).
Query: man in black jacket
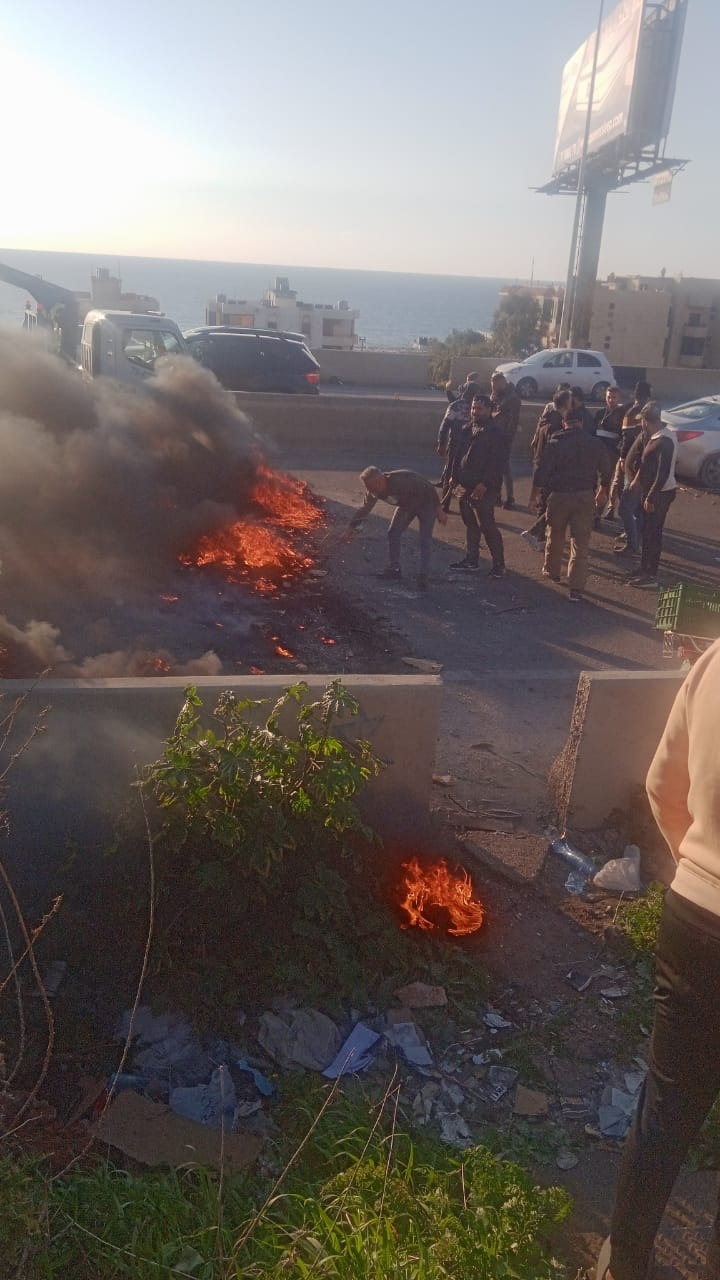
(574, 466)
(654, 453)
(550, 424)
(506, 405)
(480, 474)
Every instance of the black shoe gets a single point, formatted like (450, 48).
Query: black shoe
(389, 575)
(496, 573)
(470, 565)
(509, 505)
(575, 596)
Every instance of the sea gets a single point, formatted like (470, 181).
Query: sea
(396, 308)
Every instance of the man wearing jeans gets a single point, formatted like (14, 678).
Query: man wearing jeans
(656, 486)
(683, 1079)
(414, 498)
(575, 473)
(480, 473)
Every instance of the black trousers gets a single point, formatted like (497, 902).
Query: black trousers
(508, 475)
(653, 523)
(681, 1086)
(478, 516)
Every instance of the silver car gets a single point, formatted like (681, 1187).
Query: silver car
(696, 427)
(540, 374)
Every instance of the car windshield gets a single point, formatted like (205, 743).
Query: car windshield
(539, 355)
(703, 409)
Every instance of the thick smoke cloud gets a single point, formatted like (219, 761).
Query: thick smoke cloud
(101, 488)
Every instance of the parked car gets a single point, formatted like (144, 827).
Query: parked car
(256, 359)
(696, 427)
(540, 374)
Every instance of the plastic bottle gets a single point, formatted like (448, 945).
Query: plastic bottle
(560, 845)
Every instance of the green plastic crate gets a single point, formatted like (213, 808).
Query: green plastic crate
(689, 611)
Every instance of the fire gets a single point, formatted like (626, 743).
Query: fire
(261, 547)
(168, 599)
(436, 886)
(280, 649)
(326, 640)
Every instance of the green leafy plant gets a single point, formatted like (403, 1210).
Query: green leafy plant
(251, 788)
(640, 919)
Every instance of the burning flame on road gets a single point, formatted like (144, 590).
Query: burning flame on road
(259, 548)
(436, 886)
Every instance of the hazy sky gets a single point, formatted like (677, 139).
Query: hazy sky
(389, 134)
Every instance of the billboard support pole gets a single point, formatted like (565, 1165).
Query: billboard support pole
(596, 194)
(568, 299)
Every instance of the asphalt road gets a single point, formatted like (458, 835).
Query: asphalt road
(512, 650)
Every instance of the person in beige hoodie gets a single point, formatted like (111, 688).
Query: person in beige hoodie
(683, 1079)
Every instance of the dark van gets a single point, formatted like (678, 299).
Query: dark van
(256, 359)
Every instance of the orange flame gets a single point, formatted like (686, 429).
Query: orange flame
(261, 547)
(436, 886)
(280, 650)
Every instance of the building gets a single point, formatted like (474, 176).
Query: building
(642, 321)
(321, 324)
(658, 321)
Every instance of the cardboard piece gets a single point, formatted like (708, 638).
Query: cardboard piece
(528, 1102)
(151, 1134)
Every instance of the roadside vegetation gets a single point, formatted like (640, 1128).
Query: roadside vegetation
(264, 881)
(517, 331)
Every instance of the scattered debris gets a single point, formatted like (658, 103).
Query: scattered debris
(566, 1160)
(579, 980)
(443, 779)
(561, 846)
(504, 1077)
(302, 1036)
(574, 1108)
(149, 1132)
(454, 1131)
(496, 1022)
(621, 875)
(490, 1055)
(210, 1104)
(261, 1082)
(406, 1037)
(614, 992)
(634, 1080)
(576, 883)
(530, 1103)
(426, 665)
(419, 995)
(356, 1054)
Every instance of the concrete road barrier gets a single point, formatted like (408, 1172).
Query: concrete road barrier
(66, 791)
(617, 722)
(342, 424)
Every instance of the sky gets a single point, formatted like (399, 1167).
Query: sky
(395, 135)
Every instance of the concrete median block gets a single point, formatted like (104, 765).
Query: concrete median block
(617, 722)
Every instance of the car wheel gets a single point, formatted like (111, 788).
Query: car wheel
(526, 388)
(709, 473)
(598, 391)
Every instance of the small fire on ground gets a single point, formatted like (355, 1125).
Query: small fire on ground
(263, 548)
(435, 888)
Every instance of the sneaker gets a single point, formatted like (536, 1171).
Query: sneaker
(622, 549)
(551, 576)
(465, 564)
(389, 575)
(422, 583)
(644, 583)
(496, 573)
(509, 505)
(575, 596)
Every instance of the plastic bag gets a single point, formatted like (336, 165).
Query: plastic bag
(621, 875)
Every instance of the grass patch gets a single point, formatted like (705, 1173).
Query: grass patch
(639, 920)
(363, 1202)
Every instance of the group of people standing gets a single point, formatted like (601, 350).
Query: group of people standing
(629, 470)
(585, 467)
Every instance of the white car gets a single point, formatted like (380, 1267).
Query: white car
(696, 427)
(540, 374)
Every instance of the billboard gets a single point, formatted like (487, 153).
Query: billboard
(617, 55)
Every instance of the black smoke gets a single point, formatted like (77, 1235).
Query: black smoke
(101, 489)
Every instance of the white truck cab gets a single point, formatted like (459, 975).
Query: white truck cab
(124, 345)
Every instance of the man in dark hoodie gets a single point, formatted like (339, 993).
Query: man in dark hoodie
(453, 439)
(480, 474)
(630, 430)
(551, 423)
(506, 405)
